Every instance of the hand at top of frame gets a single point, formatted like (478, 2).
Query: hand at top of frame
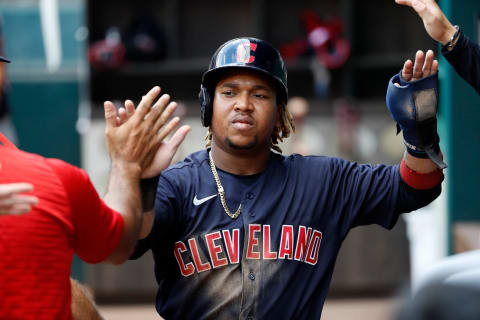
(435, 22)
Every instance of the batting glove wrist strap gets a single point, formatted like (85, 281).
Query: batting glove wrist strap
(148, 189)
(413, 106)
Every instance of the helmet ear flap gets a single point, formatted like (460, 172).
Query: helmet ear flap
(206, 108)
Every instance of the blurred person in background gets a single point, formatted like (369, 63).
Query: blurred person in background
(460, 51)
(442, 301)
(298, 108)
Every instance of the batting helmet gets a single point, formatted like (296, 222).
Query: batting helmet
(247, 53)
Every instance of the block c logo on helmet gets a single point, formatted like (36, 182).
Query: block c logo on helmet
(244, 50)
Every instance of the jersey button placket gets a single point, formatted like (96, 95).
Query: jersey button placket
(247, 198)
(250, 267)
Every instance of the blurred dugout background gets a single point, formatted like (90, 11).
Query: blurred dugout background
(71, 55)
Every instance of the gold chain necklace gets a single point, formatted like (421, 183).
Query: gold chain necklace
(221, 192)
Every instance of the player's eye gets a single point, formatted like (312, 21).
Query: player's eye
(228, 93)
(261, 96)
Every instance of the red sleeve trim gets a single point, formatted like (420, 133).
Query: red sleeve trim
(421, 181)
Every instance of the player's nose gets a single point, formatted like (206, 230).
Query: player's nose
(243, 102)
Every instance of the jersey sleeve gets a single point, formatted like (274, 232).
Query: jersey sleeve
(465, 59)
(375, 194)
(167, 211)
(364, 194)
(97, 228)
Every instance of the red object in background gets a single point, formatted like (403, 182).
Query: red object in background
(324, 38)
(103, 55)
(108, 53)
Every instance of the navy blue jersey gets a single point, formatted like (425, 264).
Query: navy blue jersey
(275, 261)
(465, 59)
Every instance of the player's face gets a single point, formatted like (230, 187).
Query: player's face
(244, 111)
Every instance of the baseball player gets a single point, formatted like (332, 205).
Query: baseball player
(37, 248)
(242, 232)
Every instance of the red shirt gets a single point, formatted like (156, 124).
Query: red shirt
(36, 248)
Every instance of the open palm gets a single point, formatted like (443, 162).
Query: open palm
(165, 153)
(167, 149)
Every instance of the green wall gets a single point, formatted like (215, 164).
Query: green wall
(459, 123)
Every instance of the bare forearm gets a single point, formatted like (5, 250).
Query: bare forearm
(123, 195)
(83, 307)
(418, 164)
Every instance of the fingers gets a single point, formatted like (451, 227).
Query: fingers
(110, 114)
(18, 199)
(130, 108)
(13, 203)
(16, 209)
(178, 138)
(8, 189)
(126, 112)
(168, 129)
(418, 66)
(146, 103)
(158, 110)
(435, 66)
(407, 71)
(419, 6)
(427, 66)
(122, 114)
(404, 2)
(165, 115)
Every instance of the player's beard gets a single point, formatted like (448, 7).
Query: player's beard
(249, 146)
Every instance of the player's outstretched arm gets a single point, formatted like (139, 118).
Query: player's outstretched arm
(12, 201)
(133, 146)
(161, 161)
(412, 98)
(435, 22)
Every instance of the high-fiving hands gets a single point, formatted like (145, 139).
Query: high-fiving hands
(435, 22)
(149, 123)
(12, 201)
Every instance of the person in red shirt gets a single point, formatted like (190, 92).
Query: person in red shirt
(37, 248)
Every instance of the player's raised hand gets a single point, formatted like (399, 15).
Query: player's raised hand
(12, 201)
(166, 151)
(435, 22)
(425, 65)
(133, 142)
(152, 126)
